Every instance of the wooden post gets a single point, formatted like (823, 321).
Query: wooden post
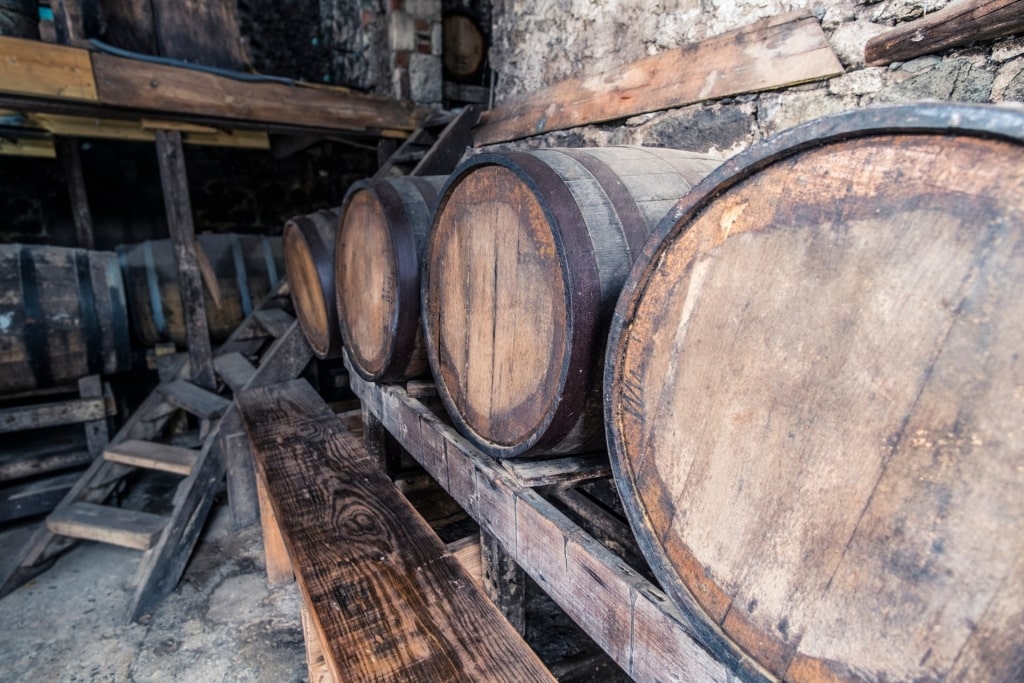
(380, 444)
(96, 432)
(241, 475)
(71, 160)
(503, 581)
(171, 158)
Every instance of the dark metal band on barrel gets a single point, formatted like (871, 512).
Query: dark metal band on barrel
(36, 347)
(87, 313)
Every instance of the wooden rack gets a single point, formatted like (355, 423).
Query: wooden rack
(626, 615)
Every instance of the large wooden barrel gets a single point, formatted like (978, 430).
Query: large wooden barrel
(19, 18)
(62, 316)
(815, 399)
(526, 257)
(238, 271)
(383, 233)
(309, 263)
(465, 48)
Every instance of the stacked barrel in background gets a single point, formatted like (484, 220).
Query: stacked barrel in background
(813, 381)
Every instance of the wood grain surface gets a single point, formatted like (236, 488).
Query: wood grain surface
(815, 399)
(388, 599)
(525, 261)
(784, 50)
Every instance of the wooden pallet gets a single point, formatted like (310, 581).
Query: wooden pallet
(633, 621)
(273, 352)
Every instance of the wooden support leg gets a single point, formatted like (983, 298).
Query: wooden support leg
(96, 432)
(71, 160)
(381, 445)
(504, 582)
(171, 158)
(241, 475)
(279, 564)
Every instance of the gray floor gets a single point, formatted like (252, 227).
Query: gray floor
(222, 623)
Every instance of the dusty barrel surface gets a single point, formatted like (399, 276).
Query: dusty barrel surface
(19, 18)
(309, 263)
(526, 257)
(384, 226)
(237, 270)
(815, 398)
(62, 316)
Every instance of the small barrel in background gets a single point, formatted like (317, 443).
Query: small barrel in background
(815, 398)
(244, 269)
(19, 18)
(384, 226)
(526, 257)
(62, 316)
(309, 263)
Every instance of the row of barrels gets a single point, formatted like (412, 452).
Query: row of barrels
(813, 378)
(67, 313)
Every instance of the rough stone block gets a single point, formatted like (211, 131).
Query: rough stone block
(401, 31)
(425, 83)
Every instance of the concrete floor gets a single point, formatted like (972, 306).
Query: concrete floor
(222, 623)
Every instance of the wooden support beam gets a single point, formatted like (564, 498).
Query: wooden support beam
(40, 148)
(171, 158)
(71, 160)
(503, 581)
(773, 53)
(630, 619)
(29, 67)
(960, 23)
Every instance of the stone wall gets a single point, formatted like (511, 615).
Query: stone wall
(538, 43)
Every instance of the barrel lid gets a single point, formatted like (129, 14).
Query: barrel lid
(307, 286)
(814, 398)
(498, 321)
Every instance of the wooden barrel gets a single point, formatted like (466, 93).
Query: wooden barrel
(465, 48)
(815, 399)
(309, 263)
(62, 316)
(19, 18)
(526, 257)
(383, 233)
(238, 271)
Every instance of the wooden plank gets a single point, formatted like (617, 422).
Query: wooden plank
(153, 87)
(173, 180)
(241, 478)
(960, 23)
(96, 432)
(33, 462)
(467, 552)
(561, 472)
(193, 399)
(389, 601)
(625, 615)
(107, 524)
(152, 455)
(773, 53)
(274, 320)
(35, 497)
(503, 581)
(52, 414)
(39, 148)
(30, 67)
(71, 162)
(234, 368)
(316, 662)
(278, 563)
(142, 130)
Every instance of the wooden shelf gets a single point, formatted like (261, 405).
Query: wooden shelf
(627, 616)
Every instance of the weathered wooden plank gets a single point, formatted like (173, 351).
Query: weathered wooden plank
(52, 414)
(118, 526)
(773, 53)
(503, 581)
(467, 551)
(277, 562)
(561, 472)
(389, 601)
(199, 31)
(274, 320)
(243, 495)
(960, 23)
(96, 432)
(596, 588)
(35, 461)
(234, 368)
(194, 399)
(39, 148)
(29, 67)
(71, 161)
(152, 455)
(35, 497)
(137, 85)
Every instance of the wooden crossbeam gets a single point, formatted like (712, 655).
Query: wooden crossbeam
(388, 600)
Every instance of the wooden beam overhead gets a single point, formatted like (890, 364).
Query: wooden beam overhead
(77, 77)
(773, 53)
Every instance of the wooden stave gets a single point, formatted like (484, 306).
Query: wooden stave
(99, 326)
(316, 232)
(157, 316)
(977, 121)
(574, 425)
(407, 204)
